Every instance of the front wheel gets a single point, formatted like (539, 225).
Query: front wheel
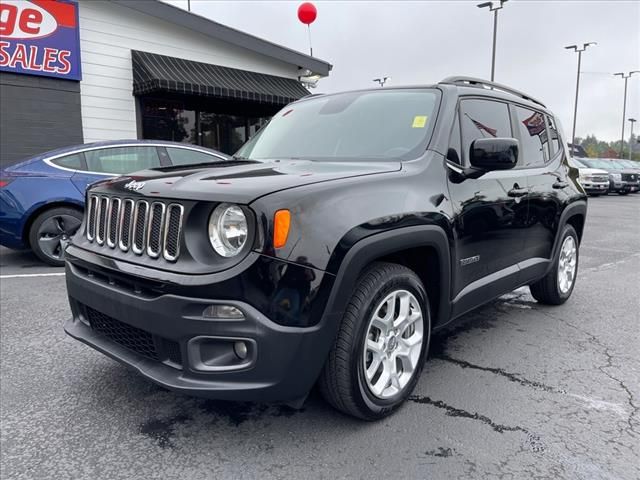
(50, 232)
(381, 345)
(556, 287)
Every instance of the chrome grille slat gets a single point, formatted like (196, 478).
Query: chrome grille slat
(125, 223)
(101, 219)
(172, 232)
(144, 228)
(154, 230)
(112, 222)
(140, 227)
(91, 217)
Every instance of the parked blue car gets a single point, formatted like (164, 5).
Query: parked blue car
(42, 199)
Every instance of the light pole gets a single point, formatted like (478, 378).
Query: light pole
(624, 103)
(381, 81)
(493, 7)
(631, 121)
(188, 5)
(579, 50)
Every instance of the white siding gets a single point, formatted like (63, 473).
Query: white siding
(108, 33)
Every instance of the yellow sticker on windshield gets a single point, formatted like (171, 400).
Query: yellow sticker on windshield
(419, 121)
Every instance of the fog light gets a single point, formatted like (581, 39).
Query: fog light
(240, 349)
(227, 312)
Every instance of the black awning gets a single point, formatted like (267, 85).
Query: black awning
(159, 73)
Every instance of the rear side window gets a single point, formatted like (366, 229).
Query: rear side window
(122, 160)
(70, 161)
(554, 144)
(534, 143)
(184, 156)
(483, 119)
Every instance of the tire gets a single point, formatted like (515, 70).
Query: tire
(550, 290)
(623, 192)
(50, 230)
(344, 382)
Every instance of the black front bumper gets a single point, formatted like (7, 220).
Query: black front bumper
(159, 334)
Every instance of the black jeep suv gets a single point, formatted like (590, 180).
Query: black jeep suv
(330, 248)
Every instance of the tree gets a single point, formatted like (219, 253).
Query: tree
(592, 150)
(600, 149)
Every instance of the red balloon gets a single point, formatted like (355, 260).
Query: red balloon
(307, 13)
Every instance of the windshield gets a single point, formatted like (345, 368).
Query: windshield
(575, 163)
(381, 124)
(629, 163)
(616, 164)
(596, 163)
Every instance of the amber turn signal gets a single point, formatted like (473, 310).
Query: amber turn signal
(281, 224)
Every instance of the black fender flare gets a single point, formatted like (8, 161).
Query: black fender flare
(576, 208)
(368, 249)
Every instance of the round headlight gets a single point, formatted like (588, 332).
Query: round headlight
(228, 229)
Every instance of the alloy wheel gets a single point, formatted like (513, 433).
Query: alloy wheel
(393, 344)
(567, 264)
(55, 232)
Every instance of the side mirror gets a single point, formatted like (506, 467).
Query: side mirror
(494, 153)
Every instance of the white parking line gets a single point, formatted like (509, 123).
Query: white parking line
(29, 275)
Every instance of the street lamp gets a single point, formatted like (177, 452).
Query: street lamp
(579, 50)
(493, 7)
(382, 80)
(624, 103)
(631, 121)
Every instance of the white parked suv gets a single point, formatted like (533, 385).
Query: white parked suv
(595, 181)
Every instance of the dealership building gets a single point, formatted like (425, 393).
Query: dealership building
(95, 70)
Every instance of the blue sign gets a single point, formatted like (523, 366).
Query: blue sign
(40, 37)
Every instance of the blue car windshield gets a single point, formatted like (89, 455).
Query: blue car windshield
(385, 124)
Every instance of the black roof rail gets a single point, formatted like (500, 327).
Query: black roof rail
(479, 83)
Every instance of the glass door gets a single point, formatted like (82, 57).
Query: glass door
(225, 133)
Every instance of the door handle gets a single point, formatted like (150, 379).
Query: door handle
(517, 192)
(560, 184)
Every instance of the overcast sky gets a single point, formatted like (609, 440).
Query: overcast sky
(425, 41)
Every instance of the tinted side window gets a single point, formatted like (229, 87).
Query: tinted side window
(183, 156)
(70, 161)
(533, 137)
(483, 119)
(122, 160)
(555, 138)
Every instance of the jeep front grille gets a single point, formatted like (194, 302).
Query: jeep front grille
(138, 226)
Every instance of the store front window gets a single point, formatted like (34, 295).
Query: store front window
(164, 120)
(220, 130)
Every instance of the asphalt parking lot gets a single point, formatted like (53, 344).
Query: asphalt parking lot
(516, 390)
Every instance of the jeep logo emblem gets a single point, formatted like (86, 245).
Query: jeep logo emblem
(134, 186)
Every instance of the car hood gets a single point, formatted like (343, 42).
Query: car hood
(613, 170)
(592, 171)
(621, 170)
(235, 181)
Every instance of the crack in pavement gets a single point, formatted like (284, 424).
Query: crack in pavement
(512, 377)
(458, 412)
(440, 452)
(609, 364)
